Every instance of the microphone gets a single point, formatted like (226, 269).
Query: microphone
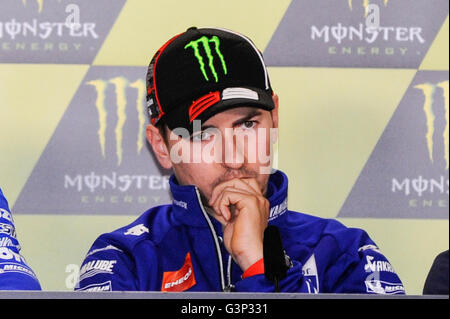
(275, 262)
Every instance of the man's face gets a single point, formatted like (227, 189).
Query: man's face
(236, 143)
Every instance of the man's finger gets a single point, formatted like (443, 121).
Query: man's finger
(253, 183)
(227, 203)
(249, 185)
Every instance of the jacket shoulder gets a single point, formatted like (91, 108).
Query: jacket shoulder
(115, 259)
(314, 229)
(150, 227)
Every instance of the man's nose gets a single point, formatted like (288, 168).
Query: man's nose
(234, 154)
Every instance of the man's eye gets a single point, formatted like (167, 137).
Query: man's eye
(248, 124)
(201, 136)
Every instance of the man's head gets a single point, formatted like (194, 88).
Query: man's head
(212, 109)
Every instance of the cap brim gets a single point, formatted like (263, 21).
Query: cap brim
(180, 118)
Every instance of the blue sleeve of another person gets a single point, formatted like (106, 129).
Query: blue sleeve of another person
(15, 274)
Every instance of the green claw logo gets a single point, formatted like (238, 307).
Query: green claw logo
(195, 45)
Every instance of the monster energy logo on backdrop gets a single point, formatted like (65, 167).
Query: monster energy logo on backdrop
(415, 145)
(120, 84)
(206, 46)
(428, 90)
(359, 33)
(107, 168)
(54, 31)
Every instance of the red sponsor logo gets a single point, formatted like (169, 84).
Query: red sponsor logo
(179, 280)
(203, 103)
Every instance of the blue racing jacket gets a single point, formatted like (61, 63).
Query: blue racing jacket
(179, 247)
(15, 274)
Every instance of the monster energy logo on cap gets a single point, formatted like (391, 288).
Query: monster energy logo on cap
(205, 41)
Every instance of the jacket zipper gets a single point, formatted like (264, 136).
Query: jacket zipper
(225, 288)
(230, 286)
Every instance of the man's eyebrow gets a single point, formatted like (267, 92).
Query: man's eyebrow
(205, 127)
(249, 115)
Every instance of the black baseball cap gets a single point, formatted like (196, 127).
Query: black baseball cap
(202, 72)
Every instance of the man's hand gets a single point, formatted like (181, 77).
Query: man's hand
(243, 211)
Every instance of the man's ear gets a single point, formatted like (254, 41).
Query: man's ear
(160, 149)
(275, 111)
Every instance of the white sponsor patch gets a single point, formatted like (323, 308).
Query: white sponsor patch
(383, 287)
(278, 210)
(95, 267)
(180, 203)
(239, 93)
(104, 286)
(137, 230)
(16, 268)
(309, 271)
(377, 265)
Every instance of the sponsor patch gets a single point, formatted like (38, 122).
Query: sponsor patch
(16, 268)
(311, 275)
(278, 210)
(137, 230)
(239, 93)
(179, 280)
(104, 286)
(384, 287)
(377, 265)
(180, 203)
(95, 267)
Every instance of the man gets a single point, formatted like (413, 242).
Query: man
(213, 122)
(15, 274)
(437, 281)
